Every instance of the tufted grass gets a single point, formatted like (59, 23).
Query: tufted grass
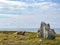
(30, 38)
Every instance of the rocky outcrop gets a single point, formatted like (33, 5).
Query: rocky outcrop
(45, 31)
(20, 33)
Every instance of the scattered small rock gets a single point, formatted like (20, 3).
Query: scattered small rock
(40, 40)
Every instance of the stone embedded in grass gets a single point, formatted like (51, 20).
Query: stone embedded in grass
(20, 33)
(40, 40)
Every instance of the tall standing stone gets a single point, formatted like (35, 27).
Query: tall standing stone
(45, 31)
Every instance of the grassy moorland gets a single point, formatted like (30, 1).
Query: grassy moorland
(30, 38)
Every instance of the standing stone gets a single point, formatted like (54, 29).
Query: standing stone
(39, 33)
(51, 34)
(45, 31)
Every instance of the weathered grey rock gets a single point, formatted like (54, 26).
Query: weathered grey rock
(39, 33)
(20, 33)
(45, 31)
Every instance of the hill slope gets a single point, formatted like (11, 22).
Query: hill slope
(30, 38)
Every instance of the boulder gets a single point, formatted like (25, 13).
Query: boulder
(45, 31)
(20, 33)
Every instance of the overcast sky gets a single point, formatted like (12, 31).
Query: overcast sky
(29, 13)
